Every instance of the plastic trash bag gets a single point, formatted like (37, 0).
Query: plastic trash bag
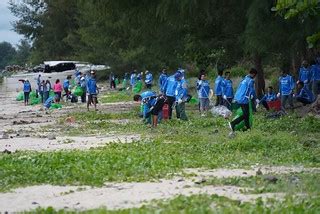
(55, 106)
(137, 87)
(20, 96)
(221, 111)
(78, 91)
(239, 113)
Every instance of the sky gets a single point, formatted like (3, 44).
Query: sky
(6, 32)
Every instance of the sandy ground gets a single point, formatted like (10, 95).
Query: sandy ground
(63, 143)
(227, 173)
(128, 195)
(20, 127)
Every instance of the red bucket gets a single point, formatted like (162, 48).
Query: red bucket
(275, 105)
(165, 111)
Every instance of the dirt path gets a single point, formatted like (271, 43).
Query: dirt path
(127, 195)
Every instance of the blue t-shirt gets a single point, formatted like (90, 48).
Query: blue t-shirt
(26, 86)
(228, 89)
(245, 90)
(203, 87)
(218, 85)
(304, 75)
(92, 86)
(269, 97)
(286, 85)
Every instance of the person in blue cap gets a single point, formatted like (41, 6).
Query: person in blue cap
(305, 73)
(315, 77)
(270, 96)
(286, 87)
(243, 95)
(153, 105)
(304, 94)
(218, 86)
(162, 80)
(203, 88)
(169, 90)
(149, 79)
(227, 91)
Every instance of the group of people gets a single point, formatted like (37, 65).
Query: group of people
(174, 92)
(87, 83)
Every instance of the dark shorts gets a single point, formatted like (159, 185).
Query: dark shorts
(92, 97)
(26, 96)
(158, 106)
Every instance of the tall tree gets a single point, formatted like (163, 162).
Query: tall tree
(7, 54)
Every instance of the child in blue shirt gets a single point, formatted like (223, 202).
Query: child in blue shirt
(169, 90)
(203, 88)
(270, 96)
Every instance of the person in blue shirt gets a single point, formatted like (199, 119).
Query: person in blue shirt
(66, 87)
(149, 80)
(305, 73)
(315, 77)
(286, 87)
(227, 91)
(92, 90)
(203, 88)
(243, 96)
(26, 90)
(304, 94)
(133, 78)
(181, 95)
(270, 96)
(169, 90)
(153, 105)
(47, 104)
(218, 87)
(162, 80)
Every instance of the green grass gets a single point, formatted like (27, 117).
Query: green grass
(113, 97)
(203, 204)
(287, 183)
(169, 149)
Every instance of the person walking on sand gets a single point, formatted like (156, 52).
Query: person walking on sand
(92, 90)
(57, 89)
(26, 91)
(243, 96)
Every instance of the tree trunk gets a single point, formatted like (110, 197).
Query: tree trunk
(260, 81)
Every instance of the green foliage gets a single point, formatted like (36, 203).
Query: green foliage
(7, 54)
(306, 10)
